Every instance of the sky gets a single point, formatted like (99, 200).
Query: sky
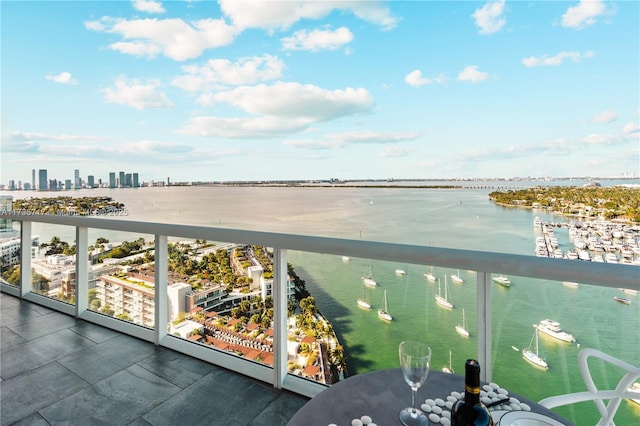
(269, 90)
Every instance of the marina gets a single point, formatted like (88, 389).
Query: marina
(596, 241)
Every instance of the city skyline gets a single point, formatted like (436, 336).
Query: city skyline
(297, 90)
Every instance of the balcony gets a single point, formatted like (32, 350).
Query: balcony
(288, 390)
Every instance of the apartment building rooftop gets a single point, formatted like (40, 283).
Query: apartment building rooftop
(55, 368)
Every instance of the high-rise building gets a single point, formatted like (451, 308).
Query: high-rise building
(12, 185)
(77, 183)
(43, 182)
(128, 180)
(33, 179)
(136, 182)
(90, 181)
(112, 179)
(121, 179)
(67, 184)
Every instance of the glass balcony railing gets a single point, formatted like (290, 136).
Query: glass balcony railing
(178, 290)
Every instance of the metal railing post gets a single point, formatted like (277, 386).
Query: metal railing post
(25, 258)
(82, 270)
(160, 300)
(484, 324)
(280, 275)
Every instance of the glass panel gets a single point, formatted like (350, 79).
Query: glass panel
(10, 246)
(219, 295)
(554, 321)
(121, 276)
(53, 265)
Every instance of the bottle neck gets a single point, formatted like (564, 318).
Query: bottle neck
(471, 394)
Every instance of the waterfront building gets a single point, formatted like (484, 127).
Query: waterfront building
(33, 178)
(52, 269)
(112, 179)
(67, 184)
(77, 182)
(90, 181)
(127, 296)
(121, 179)
(136, 182)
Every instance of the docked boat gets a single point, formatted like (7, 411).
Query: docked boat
(570, 284)
(456, 278)
(429, 275)
(552, 328)
(345, 259)
(400, 272)
(462, 329)
(532, 356)
(368, 278)
(443, 301)
(502, 280)
(622, 300)
(448, 368)
(363, 301)
(384, 314)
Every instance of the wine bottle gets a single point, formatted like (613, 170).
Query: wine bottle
(470, 411)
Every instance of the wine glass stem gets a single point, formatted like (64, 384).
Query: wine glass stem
(414, 390)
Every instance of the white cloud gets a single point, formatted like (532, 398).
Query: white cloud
(395, 151)
(472, 74)
(148, 6)
(415, 78)
(557, 59)
(605, 117)
(584, 14)
(41, 137)
(316, 40)
(173, 38)
(281, 15)
(489, 18)
(340, 140)
(62, 78)
(630, 128)
(219, 72)
(278, 109)
(240, 128)
(296, 100)
(136, 94)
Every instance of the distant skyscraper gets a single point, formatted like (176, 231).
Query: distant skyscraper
(12, 185)
(67, 184)
(33, 178)
(43, 182)
(121, 179)
(90, 181)
(136, 183)
(112, 179)
(77, 183)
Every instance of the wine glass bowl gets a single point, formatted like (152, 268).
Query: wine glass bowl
(415, 360)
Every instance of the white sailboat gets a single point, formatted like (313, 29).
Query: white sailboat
(368, 279)
(443, 301)
(363, 301)
(502, 280)
(457, 278)
(462, 328)
(384, 314)
(532, 356)
(429, 275)
(449, 368)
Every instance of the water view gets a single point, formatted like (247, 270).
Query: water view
(454, 218)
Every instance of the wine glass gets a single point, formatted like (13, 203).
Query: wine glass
(415, 359)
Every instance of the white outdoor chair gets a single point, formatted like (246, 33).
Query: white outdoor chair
(615, 397)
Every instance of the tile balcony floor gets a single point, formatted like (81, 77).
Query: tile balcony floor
(55, 369)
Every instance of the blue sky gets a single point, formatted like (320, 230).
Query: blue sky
(260, 90)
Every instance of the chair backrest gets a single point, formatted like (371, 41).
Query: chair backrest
(614, 396)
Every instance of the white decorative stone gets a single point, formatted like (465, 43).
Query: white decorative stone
(514, 400)
(456, 395)
(452, 398)
(356, 422)
(503, 391)
(430, 402)
(426, 408)
(493, 385)
(487, 388)
(483, 393)
(444, 421)
(440, 402)
(449, 404)
(365, 420)
(492, 394)
(515, 407)
(436, 410)
(446, 414)
(434, 418)
(525, 407)
(485, 400)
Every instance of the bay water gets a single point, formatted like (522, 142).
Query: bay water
(454, 218)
